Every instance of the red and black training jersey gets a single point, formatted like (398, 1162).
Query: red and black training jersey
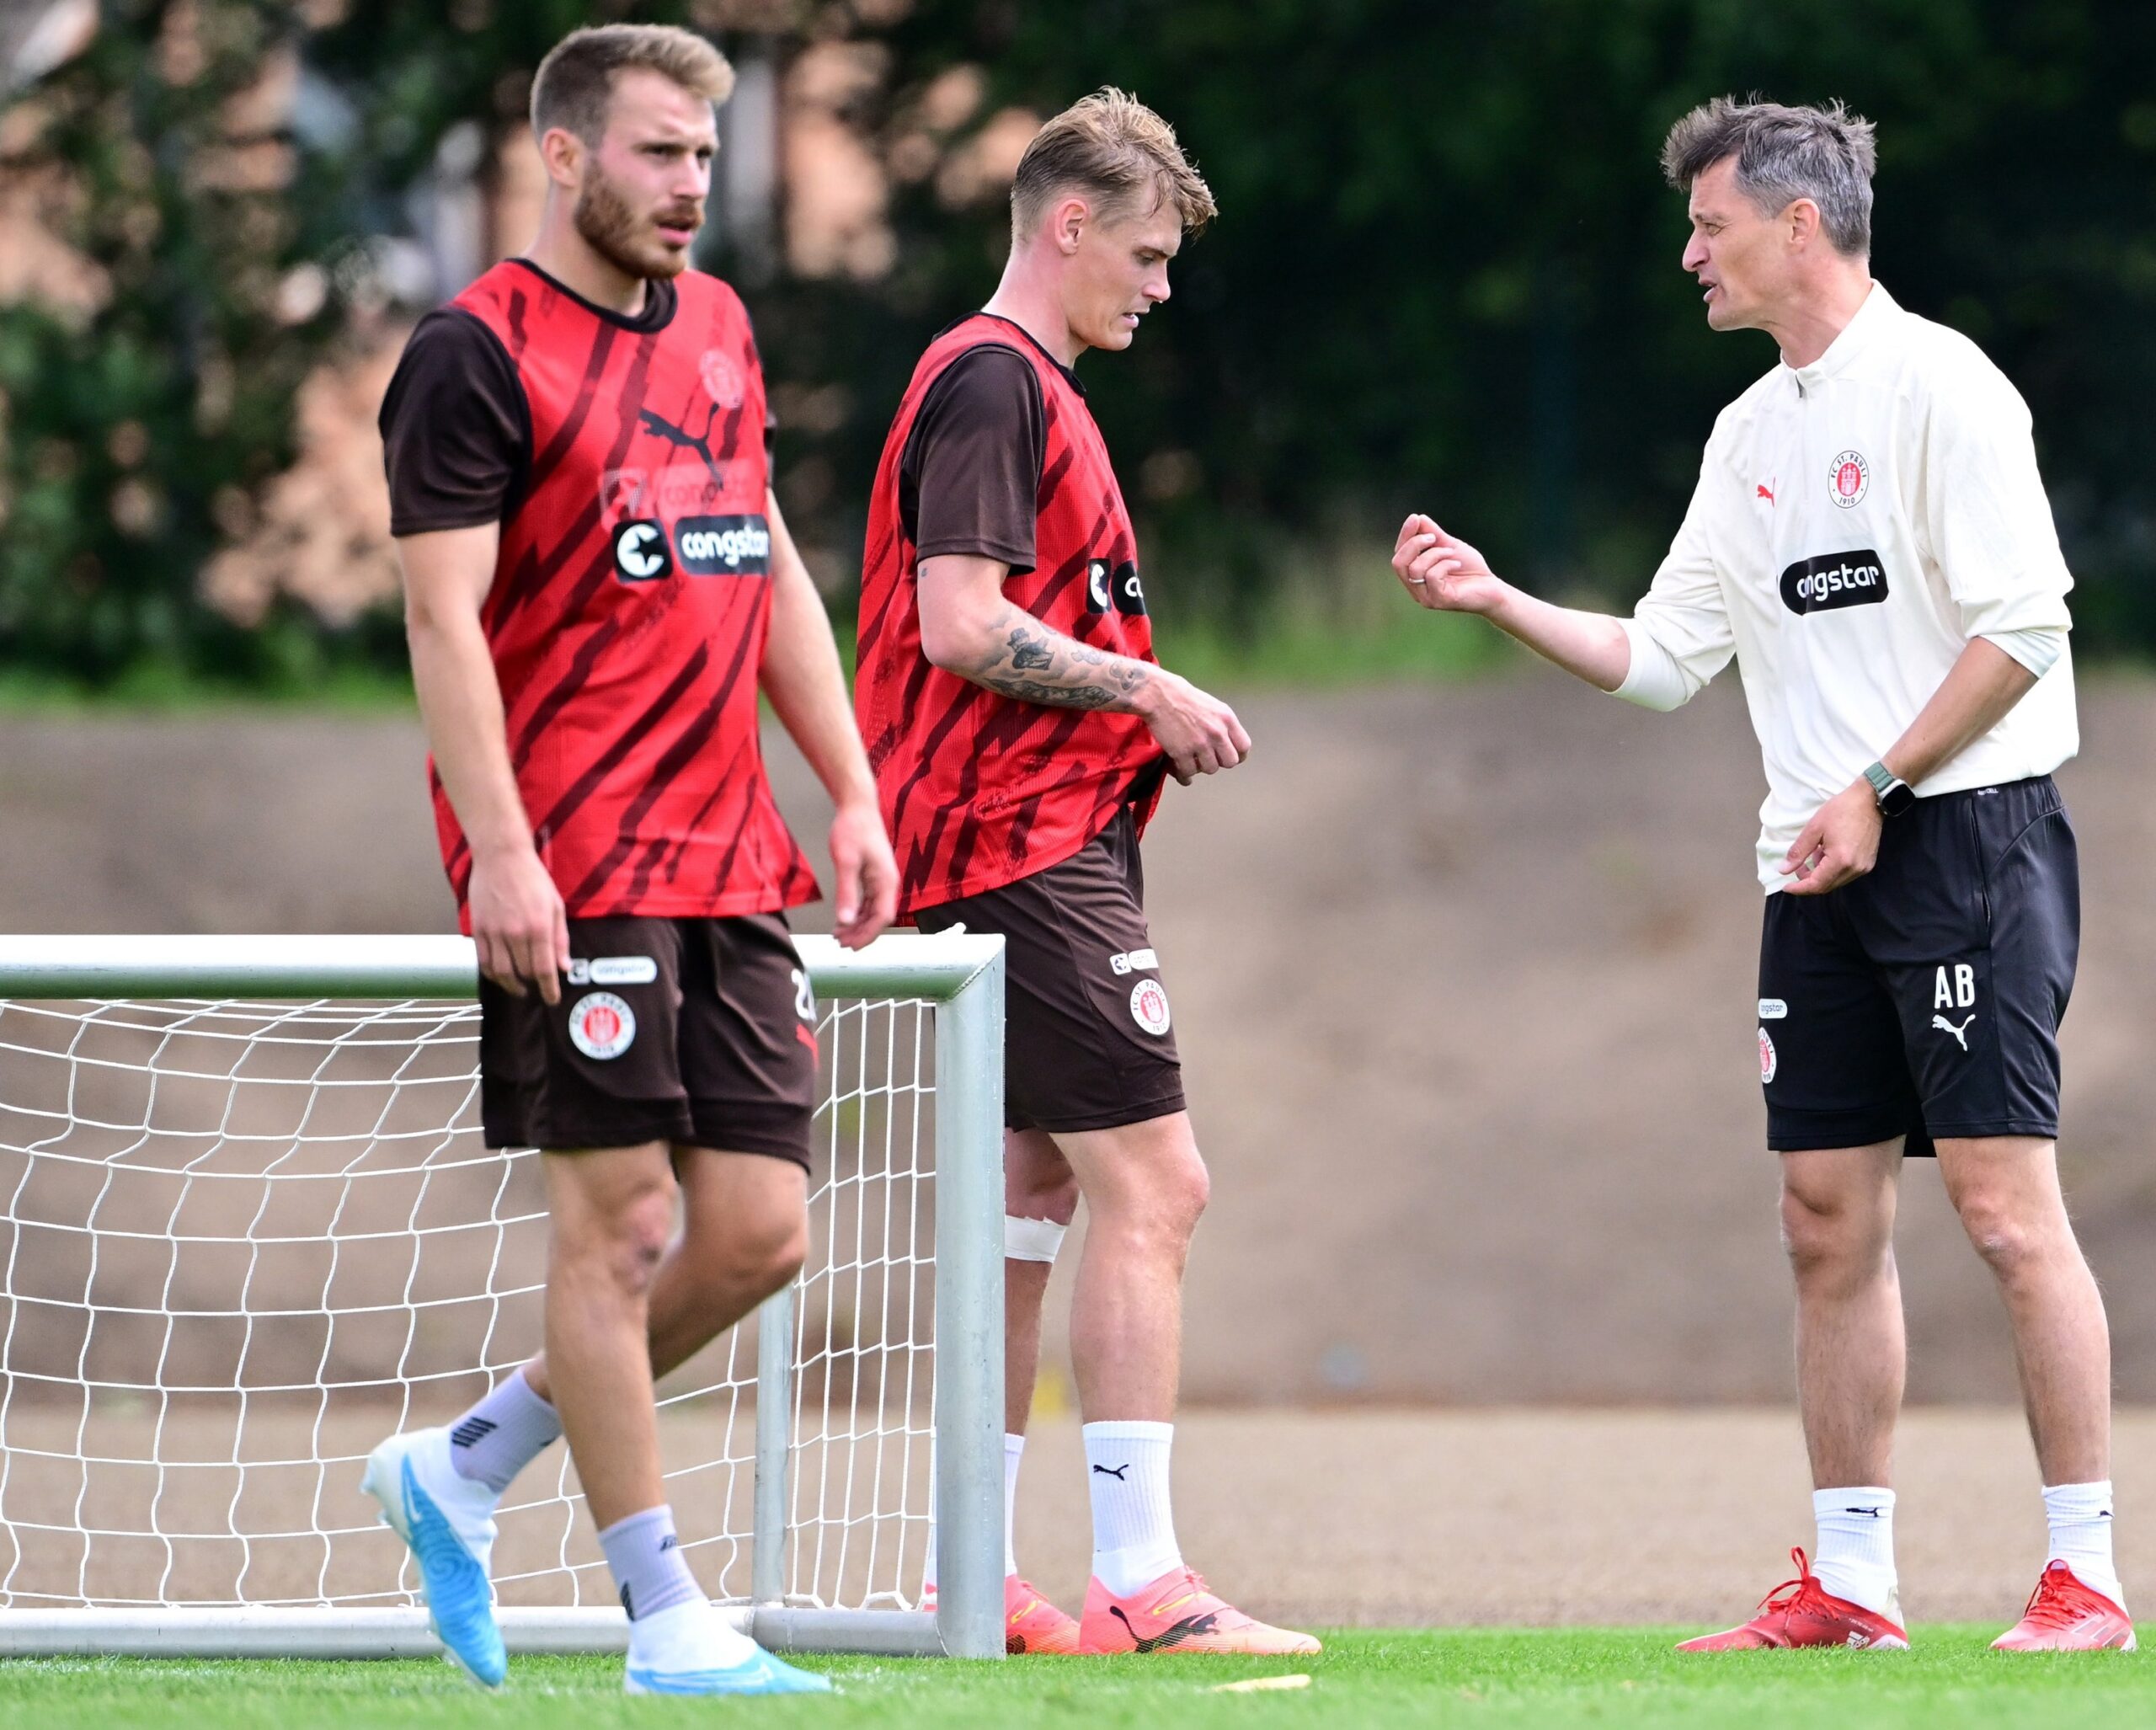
(630, 599)
(980, 789)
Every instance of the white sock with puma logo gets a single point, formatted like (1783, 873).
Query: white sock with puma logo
(1134, 1528)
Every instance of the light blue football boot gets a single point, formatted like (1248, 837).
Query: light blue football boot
(691, 1649)
(448, 1522)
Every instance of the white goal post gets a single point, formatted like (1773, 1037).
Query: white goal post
(249, 1226)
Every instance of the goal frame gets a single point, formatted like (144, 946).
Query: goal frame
(962, 975)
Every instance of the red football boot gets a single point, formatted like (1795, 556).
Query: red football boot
(2065, 1615)
(1801, 1612)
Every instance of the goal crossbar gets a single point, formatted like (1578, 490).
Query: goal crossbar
(962, 976)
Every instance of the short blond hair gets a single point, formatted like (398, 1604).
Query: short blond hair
(1113, 150)
(575, 81)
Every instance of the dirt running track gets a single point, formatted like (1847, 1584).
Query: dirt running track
(1389, 1519)
(1464, 982)
(1520, 1518)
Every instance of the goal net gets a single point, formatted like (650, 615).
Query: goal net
(248, 1227)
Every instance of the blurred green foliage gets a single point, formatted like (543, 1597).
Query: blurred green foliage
(1445, 277)
(1445, 274)
(137, 433)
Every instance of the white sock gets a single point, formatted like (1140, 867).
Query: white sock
(650, 1572)
(1855, 1557)
(1014, 1450)
(690, 1636)
(1134, 1529)
(2080, 1517)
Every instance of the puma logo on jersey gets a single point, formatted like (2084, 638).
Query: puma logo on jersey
(1960, 1033)
(1763, 490)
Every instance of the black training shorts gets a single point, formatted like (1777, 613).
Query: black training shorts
(1925, 999)
(699, 1032)
(1087, 1040)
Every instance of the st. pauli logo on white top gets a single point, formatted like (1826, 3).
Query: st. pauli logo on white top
(1848, 479)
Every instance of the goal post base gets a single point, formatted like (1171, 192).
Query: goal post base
(327, 1632)
(249, 1173)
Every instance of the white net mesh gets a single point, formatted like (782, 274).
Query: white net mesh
(241, 1242)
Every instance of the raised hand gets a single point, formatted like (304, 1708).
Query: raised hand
(1441, 571)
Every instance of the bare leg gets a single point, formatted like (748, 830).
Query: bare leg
(611, 1214)
(1144, 1186)
(2006, 1190)
(1038, 1184)
(744, 1233)
(1838, 1225)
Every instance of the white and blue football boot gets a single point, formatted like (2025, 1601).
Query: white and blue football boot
(447, 1520)
(692, 1649)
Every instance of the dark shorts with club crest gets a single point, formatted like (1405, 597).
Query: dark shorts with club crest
(1087, 1039)
(1925, 999)
(699, 1032)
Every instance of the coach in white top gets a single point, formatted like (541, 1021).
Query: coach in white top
(1870, 540)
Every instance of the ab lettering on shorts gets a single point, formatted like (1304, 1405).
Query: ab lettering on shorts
(1955, 989)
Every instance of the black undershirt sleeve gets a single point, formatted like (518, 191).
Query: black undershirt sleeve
(455, 429)
(970, 474)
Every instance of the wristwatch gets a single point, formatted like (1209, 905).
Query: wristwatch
(1893, 794)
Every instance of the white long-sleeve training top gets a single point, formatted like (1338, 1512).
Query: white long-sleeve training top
(1857, 522)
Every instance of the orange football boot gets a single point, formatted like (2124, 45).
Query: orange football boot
(1031, 1624)
(2065, 1615)
(1176, 1613)
(1803, 1612)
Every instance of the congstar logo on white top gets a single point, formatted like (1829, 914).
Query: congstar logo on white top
(1837, 580)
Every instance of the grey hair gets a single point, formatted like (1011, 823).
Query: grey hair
(1826, 154)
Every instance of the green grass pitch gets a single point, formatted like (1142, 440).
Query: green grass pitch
(1363, 1678)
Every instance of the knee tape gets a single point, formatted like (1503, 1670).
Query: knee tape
(1031, 1239)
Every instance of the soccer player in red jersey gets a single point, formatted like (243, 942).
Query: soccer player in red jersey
(598, 583)
(1019, 729)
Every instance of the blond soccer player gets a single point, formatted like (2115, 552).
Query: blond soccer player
(1020, 730)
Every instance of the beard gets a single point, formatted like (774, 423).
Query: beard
(611, 228)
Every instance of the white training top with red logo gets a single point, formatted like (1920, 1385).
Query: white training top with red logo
(1857, 522)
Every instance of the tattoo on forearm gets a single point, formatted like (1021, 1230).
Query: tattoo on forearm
(1067, 696)
(1034, 663)
(1028, 656)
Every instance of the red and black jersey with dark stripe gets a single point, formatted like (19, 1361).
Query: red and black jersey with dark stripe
(630, 603)
(980, 789)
